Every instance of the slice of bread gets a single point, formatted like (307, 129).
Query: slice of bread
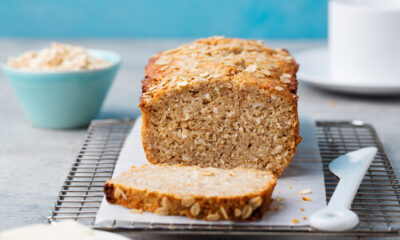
(203, 193)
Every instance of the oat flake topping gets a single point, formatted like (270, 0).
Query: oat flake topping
(219, 58)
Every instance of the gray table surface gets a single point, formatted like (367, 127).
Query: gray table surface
(34, 162)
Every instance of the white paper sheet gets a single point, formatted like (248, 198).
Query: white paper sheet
(304, 172)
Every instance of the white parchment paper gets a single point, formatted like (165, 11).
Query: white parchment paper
(304, 172)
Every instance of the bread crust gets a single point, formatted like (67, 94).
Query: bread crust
(275, 75)
(152, 201)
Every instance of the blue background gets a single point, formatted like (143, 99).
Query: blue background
(169, 18)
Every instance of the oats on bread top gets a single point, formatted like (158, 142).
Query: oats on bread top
(221, 58)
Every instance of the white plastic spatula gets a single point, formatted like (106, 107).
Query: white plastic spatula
(350, 168)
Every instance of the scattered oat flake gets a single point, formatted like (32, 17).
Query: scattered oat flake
(163, 61)
(251, 68)
(266, 72)
(285, 78)
(278, 88)
(216, 75)
(278, 208)
(279, 199)
(290, 186)
(295, 220)
(305, 191)
(204, 74)
(287, 58)
(134, 210)
(182, 84)
(307, 199)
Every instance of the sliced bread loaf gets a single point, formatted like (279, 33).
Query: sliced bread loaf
(203, 193)
(221, 102)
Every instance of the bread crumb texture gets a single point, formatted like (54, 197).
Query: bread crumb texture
(221, 102)
(228, 194)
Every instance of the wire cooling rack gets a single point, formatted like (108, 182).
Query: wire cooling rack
(377, 202)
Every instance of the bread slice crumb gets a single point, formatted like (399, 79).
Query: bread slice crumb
(167, 190)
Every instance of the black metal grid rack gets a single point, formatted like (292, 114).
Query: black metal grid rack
(377, 202)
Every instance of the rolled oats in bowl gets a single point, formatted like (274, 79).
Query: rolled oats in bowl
(62, 86)
(57, 57)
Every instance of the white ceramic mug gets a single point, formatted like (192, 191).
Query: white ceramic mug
(364, 41)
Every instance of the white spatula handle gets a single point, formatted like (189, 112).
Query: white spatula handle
(352, 177)
(350, 168)
(345, 192)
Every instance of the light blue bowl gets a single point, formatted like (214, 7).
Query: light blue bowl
(68, 99)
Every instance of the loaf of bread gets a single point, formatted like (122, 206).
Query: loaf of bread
(221, 102)
(202, 193)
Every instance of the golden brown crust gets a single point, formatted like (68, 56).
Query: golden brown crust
(222, 59)
(251, 206)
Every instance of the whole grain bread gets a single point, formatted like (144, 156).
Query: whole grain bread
(203, 193)
(221, 102)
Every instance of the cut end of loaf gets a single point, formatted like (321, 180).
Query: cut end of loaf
(221, 102)
(202, 193)
(222, 124)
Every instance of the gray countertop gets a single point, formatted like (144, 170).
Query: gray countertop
(34, 162)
